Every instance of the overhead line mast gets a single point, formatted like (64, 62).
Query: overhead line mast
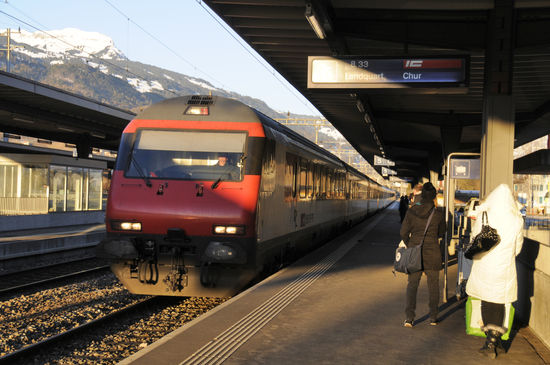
(9, 46)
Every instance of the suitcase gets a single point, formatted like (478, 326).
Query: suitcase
(474, 322)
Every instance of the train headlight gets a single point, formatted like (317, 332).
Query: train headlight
(229, 230)
(219, 251)
(125, 226)
(197, 110)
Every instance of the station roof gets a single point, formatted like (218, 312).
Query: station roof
(416, 129)
(30, 108)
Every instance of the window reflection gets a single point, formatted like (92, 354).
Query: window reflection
(58, 187)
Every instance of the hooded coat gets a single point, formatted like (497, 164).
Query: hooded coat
(493, 277)
(412, 231)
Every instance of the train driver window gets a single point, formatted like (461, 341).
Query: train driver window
(180, 154)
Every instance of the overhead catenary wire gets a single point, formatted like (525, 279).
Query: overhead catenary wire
(272, 72)
(100, 60)
(164, 44)
(156, 39)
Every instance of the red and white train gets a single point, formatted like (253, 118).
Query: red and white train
(208, 192)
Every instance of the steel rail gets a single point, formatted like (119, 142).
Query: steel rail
(38, 346)
(12, 289)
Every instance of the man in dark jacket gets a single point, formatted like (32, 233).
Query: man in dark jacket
(412, 234)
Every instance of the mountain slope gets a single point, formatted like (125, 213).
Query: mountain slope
(89, 64)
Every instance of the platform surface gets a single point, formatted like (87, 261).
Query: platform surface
(339, 305)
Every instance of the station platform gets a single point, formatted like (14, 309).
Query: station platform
(339, 305)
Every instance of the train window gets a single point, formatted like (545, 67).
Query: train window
(330, 184)
(290, 177)
(322, 182)
(303, 179)
(310, 181)
(268, 182)
(193, 155)
(316, 181)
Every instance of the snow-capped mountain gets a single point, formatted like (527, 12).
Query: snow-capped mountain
(66, 43)
(89, 64)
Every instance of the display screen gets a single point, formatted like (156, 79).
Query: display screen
(364, 72)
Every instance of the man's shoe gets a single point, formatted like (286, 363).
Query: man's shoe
(408, 324)
(434, 322)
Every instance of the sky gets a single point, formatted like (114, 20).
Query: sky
(178, 35)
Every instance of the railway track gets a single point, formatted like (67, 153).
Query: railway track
(30, 350)
(10, 290)
(86, 318)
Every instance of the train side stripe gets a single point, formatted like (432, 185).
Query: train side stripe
(254, 129)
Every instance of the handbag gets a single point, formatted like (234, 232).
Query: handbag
(484, 240)
(409, 259)
(474, 323)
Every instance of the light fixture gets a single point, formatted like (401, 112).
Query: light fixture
(28, 121)
(367, 119)
(314, 22)
(98, 135)
(230, 230)
(65, 129)
(360, 106)
(125, 226)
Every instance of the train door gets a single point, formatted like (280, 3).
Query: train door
(291, 188)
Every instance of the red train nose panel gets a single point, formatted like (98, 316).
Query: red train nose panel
(190, 205)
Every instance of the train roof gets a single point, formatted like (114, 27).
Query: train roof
(220, 109)
(230, 110)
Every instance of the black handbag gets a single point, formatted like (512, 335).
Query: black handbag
(409, 259)
(484, 240)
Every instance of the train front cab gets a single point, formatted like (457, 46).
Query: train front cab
(176, 224)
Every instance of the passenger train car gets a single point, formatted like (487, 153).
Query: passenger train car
(208, 192)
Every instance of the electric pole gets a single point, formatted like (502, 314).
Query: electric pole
(9, 47)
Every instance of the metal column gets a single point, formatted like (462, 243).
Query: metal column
(497, 143)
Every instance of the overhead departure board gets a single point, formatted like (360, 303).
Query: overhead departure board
(363, 72)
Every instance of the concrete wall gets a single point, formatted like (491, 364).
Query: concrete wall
(533, 305)
(26, 222)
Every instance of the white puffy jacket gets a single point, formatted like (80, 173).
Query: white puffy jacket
(493, 277)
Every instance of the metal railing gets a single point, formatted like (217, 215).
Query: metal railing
(23, 206)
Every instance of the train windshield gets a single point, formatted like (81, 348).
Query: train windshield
(192, 155)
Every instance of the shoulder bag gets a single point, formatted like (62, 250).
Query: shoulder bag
(484, 240)
(409, 259)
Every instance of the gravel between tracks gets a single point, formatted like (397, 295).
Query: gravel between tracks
(28, 319)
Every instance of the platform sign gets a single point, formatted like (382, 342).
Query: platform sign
(465, 168)
(358, 72)
(380, 161)
(386, 171)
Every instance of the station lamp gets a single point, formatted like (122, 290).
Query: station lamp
(314, 21)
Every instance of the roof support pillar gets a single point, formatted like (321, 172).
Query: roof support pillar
(84, 146)
(497, 141)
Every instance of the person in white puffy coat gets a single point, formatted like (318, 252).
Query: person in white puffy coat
(493, 278)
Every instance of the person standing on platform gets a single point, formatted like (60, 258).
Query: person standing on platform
(403, 206)
(493, 278)
(412, 233)
(415, 195)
